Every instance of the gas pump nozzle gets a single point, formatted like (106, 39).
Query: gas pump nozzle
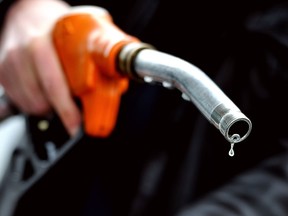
(99, 59)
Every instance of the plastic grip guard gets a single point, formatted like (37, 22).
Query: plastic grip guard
(88, 45)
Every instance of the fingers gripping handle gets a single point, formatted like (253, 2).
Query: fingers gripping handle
(88, 43)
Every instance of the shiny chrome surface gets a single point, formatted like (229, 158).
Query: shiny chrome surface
(155, 66)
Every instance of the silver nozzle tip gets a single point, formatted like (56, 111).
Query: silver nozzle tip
(235, 126)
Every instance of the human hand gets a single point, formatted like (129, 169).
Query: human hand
(29, 68)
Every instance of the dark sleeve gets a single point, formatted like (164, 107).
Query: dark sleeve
(4, 6)
(260, 192)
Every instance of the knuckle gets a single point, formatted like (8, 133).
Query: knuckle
(40, 108)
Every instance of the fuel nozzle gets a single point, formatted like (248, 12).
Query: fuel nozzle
(98, 59)
(142, 61)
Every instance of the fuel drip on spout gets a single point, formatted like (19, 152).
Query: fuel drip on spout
(234, 138)
(231, 151)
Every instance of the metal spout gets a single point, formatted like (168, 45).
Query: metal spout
(140, 61)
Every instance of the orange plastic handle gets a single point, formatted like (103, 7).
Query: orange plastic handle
(87, 45)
